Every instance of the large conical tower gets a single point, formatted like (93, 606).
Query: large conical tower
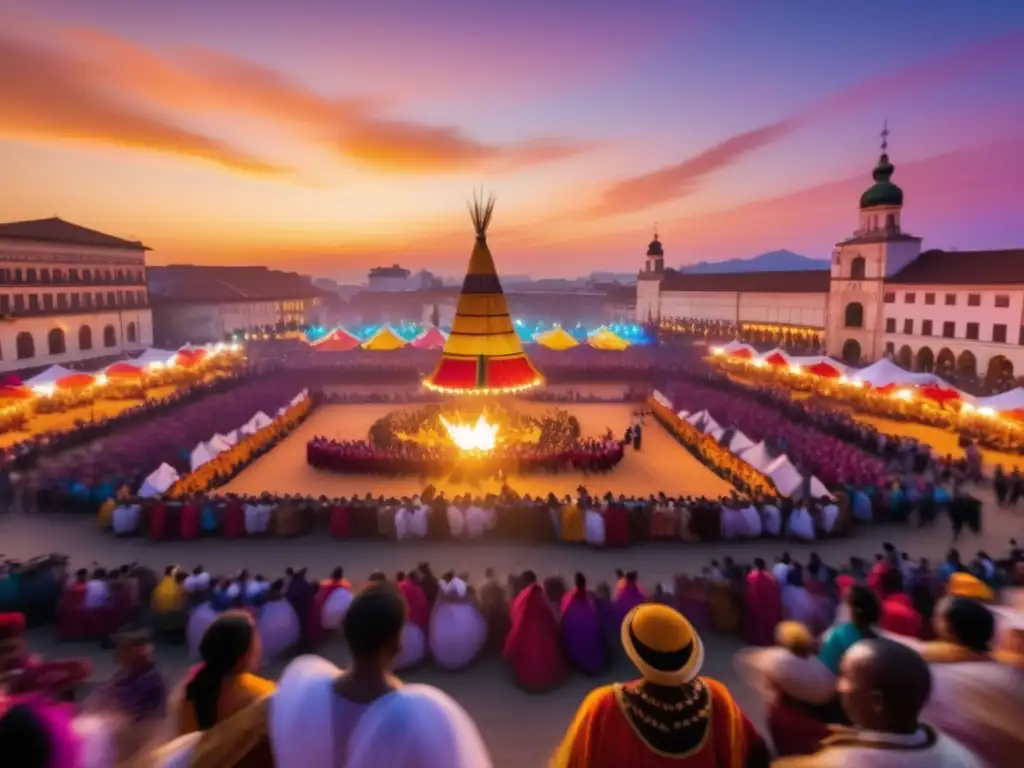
(483, 354)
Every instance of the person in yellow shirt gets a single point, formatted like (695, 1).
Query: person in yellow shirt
(105, 519)
(224, 683)
(572, 521)
(169, 595)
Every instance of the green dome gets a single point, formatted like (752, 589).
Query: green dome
(883, 191)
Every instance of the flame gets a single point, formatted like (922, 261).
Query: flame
(481, 436)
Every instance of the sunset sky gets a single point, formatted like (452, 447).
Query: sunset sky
(329, 136)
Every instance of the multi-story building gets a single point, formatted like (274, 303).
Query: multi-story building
(942, 311)
(69, 294)
(203, 304)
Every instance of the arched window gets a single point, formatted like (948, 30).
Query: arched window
(55, 342)
(854, 316)
(130, 332)
(109, 336)
(85, 338)
(890, 221)
(26, 346)
(857, 268)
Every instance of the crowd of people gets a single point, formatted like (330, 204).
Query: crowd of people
(606, 520)
(849, 659)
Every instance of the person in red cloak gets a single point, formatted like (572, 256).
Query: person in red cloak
(533, 648)
(671, 717)
(763, 606)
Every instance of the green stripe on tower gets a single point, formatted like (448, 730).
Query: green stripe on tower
(481, 372)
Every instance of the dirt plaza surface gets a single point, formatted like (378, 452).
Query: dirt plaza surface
(662, 465)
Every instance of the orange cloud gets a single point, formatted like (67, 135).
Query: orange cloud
(199, 79)
(683, 179)
(50, 96)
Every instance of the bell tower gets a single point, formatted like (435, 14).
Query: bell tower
(655, 255)
(648, 283)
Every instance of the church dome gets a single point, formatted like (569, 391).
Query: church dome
(654, 249)
(883, 192)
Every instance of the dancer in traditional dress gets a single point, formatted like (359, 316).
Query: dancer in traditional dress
(582, 635)
(417, 624)
(863, 609)
(458, 631)
(533, 648)
(38, 733)
(763, 606)
(670, 717)
(884, 686)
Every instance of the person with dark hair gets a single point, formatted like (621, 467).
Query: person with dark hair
(863, 612)
(581, 631)
(884, 686)
(763, 602)
(313, 713)
(24, 734)
(225, 682)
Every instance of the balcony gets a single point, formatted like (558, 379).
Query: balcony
(11, 282)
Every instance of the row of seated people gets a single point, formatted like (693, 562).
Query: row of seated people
(607, 521)
(361, 457)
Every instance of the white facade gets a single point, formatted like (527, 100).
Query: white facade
(68, 303)
(796, 309)
(935, 327)
(201, 322)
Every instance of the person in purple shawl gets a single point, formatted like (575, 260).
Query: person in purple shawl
(628, 595)
(582, 636)
(300, 594)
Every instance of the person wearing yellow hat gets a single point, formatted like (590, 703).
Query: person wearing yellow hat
(970, 587)
(670, 717)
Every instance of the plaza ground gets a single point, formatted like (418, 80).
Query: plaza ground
(662, 465)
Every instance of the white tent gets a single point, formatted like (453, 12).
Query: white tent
(234, 436)
(218, 444)
(777, 356)
(739, 443)
(162, 478)
(716, 433)
(818, 488)
(709, 426)
(757, 456)
(231, 438)
(154, 356)
(661, 400)
(698, 418)
(200, 455)
(299, 397)
(886, 373)
(682, 415)
(1006, 401)
(49, 377)
(259, 421)
(785, 476)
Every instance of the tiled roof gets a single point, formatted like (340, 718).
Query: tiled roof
(227, 284)
(796, 281)
(59, 231)
(963, 268)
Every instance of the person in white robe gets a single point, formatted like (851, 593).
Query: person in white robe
(335, 608)
(257, 519)
(403, 523)
(419, 523)
(257, 588)
(280, 629)
(476, 521)
(829, 516)
(771, 519)
(456, 520)
(593, 527)
(97, 592)
(199, 619)
(733, 524)
(126, 519)
(780, 571)
(884, 686)
(458, 631)
(800, 524)
(752, 519)
(415, 727)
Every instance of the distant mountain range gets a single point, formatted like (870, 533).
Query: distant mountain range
(773, 261)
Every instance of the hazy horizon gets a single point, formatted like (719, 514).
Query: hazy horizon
(331, 138)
